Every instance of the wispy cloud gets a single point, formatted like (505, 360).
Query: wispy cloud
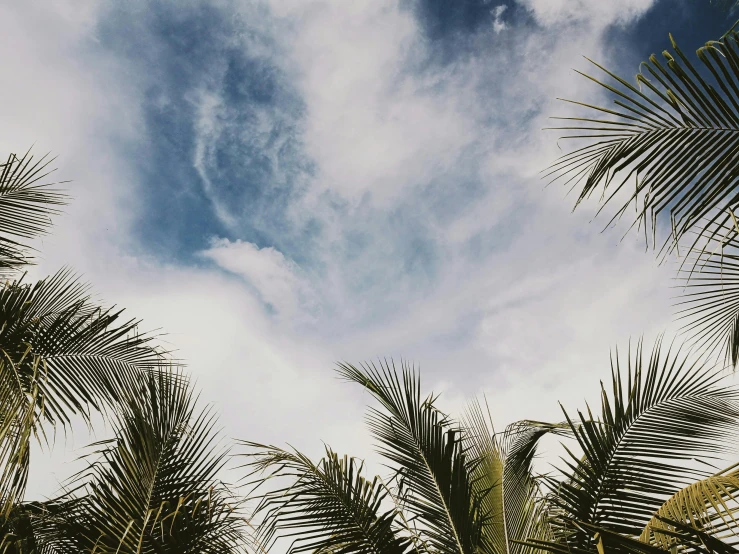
(276, 280)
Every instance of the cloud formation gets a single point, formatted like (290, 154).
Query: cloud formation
(281, 184)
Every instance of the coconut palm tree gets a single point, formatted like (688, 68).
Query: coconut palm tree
(154, 488)
(668, 149)
(62, 356)
(630, 477)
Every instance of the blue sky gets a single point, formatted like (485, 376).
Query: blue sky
(281, 184)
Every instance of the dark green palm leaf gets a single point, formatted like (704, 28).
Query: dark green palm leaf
(425, 447)
(503, 477)
(26, 206)
(670, 144)
(662, 413)
(325, 507)
(60, 355)
(686, 540)
(155, 488)
(709, 286)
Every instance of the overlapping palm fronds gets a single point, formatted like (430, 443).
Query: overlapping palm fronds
(711, 505)
(670, 144)
(426, 448)
(512, 496)
(662, 414)
(60, 355)
(433, 504)
(26, 206)
(326, 507)
(155, 487)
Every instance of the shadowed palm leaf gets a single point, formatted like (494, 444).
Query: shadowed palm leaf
(709, 283)
(60, 355)
(327, 507)
(669, 145)
(154, 489)
(710, 505)
(26, 204)
(504, 479)
(662, 413)
(686, 540)
(425, 447)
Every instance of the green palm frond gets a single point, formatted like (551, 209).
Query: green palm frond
(503, 477)
(425, 447)
(328, 507)
(669, 145)
(662, 413)
(710, 505)
(26, 206)
(686, 540)
(709, 286)
(155, 488)
(60, 355)
(85, 356)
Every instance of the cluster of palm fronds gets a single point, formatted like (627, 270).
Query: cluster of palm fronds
(154, 487)
(637, 475)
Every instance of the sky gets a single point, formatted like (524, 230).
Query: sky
(279, 185)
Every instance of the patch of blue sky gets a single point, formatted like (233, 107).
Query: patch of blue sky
(222, 155)
(449, 23)
(691, 22)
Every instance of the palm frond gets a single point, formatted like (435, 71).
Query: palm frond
(60, 355)
(710, 505)
(662, 414)
(686, 540)
(328, 507)
(26, 206)
(84, 355)
(425, 447)
(503, 477)
(670, 144)
(155, 488)
(709, 303)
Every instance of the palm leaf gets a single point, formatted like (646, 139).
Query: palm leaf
(60, 355)
(710, 505)
(425, 447)
(662, 413)
(686, 540)
(155, 488)
(670, 144)
(503, 477)
(328, 507)
(709, 305)
(26, 206)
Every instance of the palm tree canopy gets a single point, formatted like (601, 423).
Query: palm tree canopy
(26, 206)
(662, 414)
(155, 487)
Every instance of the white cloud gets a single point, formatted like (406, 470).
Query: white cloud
(498, 23)
(555, 12)
(276, 279)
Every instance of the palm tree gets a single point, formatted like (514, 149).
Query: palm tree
(630, 477)
(669, 150)
(61, 355)
(154, 488)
